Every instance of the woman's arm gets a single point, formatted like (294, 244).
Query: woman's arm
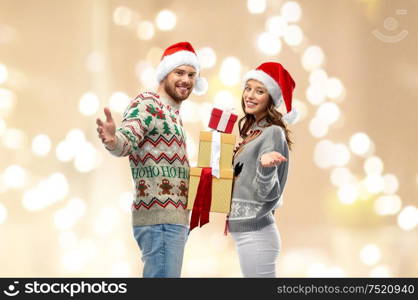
(270, 156)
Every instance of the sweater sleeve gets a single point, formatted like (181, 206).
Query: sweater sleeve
(138, 119)
(266, 179)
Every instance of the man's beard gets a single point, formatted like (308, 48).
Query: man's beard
(171, 91)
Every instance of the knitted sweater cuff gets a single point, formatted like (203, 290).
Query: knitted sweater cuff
(121, 140)
(265, 174)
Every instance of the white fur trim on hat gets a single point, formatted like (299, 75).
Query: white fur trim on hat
(172, 61)
(271, 85)
(292, 116)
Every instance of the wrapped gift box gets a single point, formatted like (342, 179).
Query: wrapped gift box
(205, 149)
(221, 190)
(222, 121)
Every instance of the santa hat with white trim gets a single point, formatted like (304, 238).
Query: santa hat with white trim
(177, 55)
(278, 83)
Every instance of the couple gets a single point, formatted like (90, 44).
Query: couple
(152, 135)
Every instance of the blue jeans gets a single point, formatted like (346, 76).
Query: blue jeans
(162, 248)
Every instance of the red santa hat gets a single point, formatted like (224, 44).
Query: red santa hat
(177, 55)
(278, 83)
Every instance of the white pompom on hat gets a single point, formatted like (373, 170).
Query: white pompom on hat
(177, 55)
(278, 83)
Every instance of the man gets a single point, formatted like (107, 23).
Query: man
(152, 135)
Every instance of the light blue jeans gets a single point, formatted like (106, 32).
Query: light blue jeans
(162, 248)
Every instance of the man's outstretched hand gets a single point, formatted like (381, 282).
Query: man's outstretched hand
(107, 130)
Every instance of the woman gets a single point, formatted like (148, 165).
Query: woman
(260, 168)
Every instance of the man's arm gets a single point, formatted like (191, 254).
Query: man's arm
(115, 142)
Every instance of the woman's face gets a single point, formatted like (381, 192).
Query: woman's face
(256, 98)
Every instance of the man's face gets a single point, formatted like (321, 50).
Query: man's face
(179, 83)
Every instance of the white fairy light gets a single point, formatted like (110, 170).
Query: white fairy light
(374, 183)
(75, 137)
(207, 57)
(230, 73)
(223, 99)
(146, 75)
(15, 176)
(293, 35)
(323, 154)
(57, 186)
(89, 104)
(318, 77)
(188, 111)
(66, 217)
(373, 165)
(318, 127)
(348, 193)
(269, 44)
(7, 102)
(87, 158)
(122, 16)
(370, 254)
(315, 94)
(41, 144)
(276, 26)
(65, 151)
(13, 138)
(391, 184)
(203, 113)
(334, 88)
(256, 6)
(360, 143)
(47, 192)
(145, 30)
(328, 112)
(119, 101)
(341, 155)
(291, 11)
(312, 58)
(387, 205)
(408, 218)
(341, 175)
(166, 20)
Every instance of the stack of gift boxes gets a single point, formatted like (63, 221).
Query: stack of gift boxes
(220, 140)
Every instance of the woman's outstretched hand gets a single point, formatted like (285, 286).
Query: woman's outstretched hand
(272, 159)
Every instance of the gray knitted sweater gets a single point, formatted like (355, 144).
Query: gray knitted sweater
(257, 190)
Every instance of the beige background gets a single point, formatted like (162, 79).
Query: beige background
(45, 45)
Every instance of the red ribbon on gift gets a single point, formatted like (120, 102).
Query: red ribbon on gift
(203, 200)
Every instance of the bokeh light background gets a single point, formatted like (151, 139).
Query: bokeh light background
(350, 205)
